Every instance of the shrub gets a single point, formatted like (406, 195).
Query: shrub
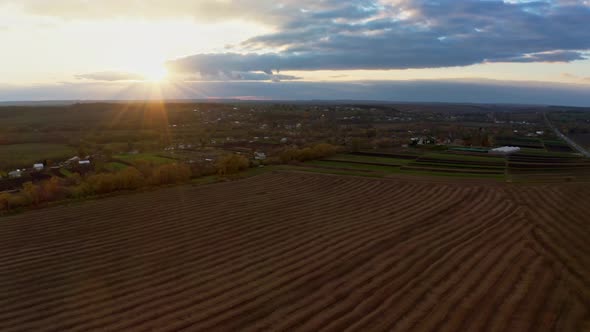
(5, 201)
(323, 150)
(130, 178)
(12, 201)
(232, 164)
(170, 173)
(309, 153)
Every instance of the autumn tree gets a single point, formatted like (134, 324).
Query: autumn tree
(170, 173)
(232, 164)
(5, 201)
(32, 193)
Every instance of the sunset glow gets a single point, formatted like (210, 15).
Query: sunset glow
(155, 74)
(91, 46)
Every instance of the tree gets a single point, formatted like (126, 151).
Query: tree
(130, 178)
(170, 173)
(5, 201)
(232, 164)
(51, 190)
(323, 150)
(12, 201)
(355, 144)
(32, 193)
(309, 153)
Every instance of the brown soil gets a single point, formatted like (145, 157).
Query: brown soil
(294, 251)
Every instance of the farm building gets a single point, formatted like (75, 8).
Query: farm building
(15, 174)
(73, 160)
(505, 150)
(259, 156)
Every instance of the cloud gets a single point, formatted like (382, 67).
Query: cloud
(551, 56)
(202, 10)
(106, 9)
(110, 76)
(230, 75)
(575, 77)
(400, 34)
(359, 34)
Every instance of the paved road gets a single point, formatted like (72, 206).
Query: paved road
(571, 143)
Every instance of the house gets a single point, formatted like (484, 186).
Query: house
(15, 174)
(73, 160)
(505, 150)
(259, 156)
(84, 162)
(38, 167)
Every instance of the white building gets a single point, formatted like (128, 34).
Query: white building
(259, 156)
(73, 160)
(15, 174)
(38, 167)
(505, 150)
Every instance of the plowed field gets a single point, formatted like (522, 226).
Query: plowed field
(293, 251)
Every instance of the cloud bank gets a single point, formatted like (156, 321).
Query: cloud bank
(311, 35)
(402, 34)
(110, 76)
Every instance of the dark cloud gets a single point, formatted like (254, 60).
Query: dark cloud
(229, 75)
(399, 34)
(110, 76)
(553, 56)
(471, 91)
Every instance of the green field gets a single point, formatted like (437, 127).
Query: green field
(65, 172)
(115, 166)
(462, 157)
(25, 155)
(543, 153)
(369, 159)
(457, 165)
(149, 157)
(354, 168)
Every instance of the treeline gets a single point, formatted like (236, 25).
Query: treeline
(142, 175)
(77, 186)
(318, 151)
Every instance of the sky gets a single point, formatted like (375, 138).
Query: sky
(533, 52)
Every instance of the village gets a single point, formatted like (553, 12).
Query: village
(199, 135)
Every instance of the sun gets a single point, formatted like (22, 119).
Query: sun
(155, 74)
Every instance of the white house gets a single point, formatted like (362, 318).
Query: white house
(73, 160)
(15, 174)
(38, 167)
(505, 150)
(259, 155)
(84, 162)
